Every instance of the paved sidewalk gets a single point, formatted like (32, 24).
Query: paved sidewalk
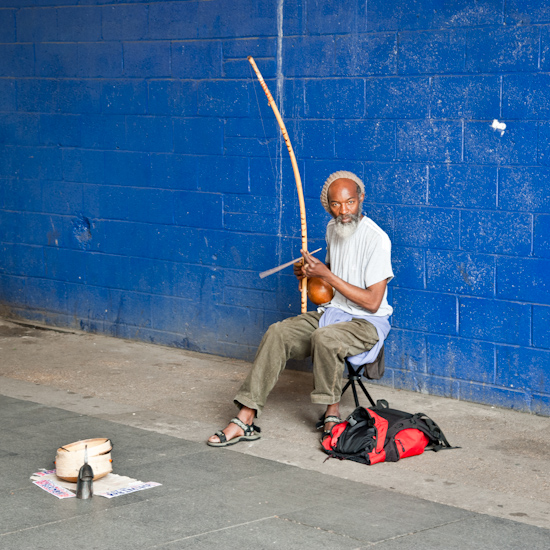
(158, 405)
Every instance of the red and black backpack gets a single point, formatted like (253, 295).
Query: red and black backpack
(381, 434)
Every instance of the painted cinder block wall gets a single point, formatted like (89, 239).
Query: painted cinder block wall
(144, 183)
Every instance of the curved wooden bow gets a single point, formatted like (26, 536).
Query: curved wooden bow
(297, 177)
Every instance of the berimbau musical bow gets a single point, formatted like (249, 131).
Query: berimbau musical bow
(297, 177)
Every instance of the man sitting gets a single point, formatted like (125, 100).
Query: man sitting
(354, 323)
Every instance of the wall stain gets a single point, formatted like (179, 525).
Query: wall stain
(465, 276)
(82, 230)
(53, 237)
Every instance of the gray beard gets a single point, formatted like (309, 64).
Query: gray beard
(345, 230)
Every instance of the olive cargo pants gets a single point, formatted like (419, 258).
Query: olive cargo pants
(300, 337)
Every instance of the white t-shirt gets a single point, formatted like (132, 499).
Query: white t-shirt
(362, 259)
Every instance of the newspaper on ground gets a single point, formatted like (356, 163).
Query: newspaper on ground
(110, 486)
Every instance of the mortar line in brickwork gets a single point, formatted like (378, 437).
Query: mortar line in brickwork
(397, 49)
(101, 30)
(495, 363)
(540, 49)
(364, 102)
(147, 15)
(532, 220)
(495, 279)
(430, 95)
(424, 275)
(457, 327)
(463, 132)
(531, 337)
(279, 79)
(501, 78)
(222, 198)
(459, 228)
(497, 199)
(427, 185)
(538, 139)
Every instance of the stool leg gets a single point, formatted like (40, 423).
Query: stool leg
(346, 387)
(366, 393)
(353, 377)
(355, 392)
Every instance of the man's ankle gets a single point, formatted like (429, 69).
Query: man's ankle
(247, 415)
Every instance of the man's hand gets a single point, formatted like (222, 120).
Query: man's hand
(298, 269)
(312, 267)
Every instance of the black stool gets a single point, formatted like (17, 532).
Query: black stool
(372, 371)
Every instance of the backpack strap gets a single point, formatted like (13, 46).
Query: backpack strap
(425, 424)
(360, 417)
(352, 421)
(435, 433)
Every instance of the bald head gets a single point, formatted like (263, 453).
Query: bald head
(346, 186)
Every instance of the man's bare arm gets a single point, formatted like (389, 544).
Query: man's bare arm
(368, 298)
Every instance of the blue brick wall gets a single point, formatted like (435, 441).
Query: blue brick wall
(144, 183)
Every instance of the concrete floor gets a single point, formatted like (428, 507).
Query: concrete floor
(502, 469)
